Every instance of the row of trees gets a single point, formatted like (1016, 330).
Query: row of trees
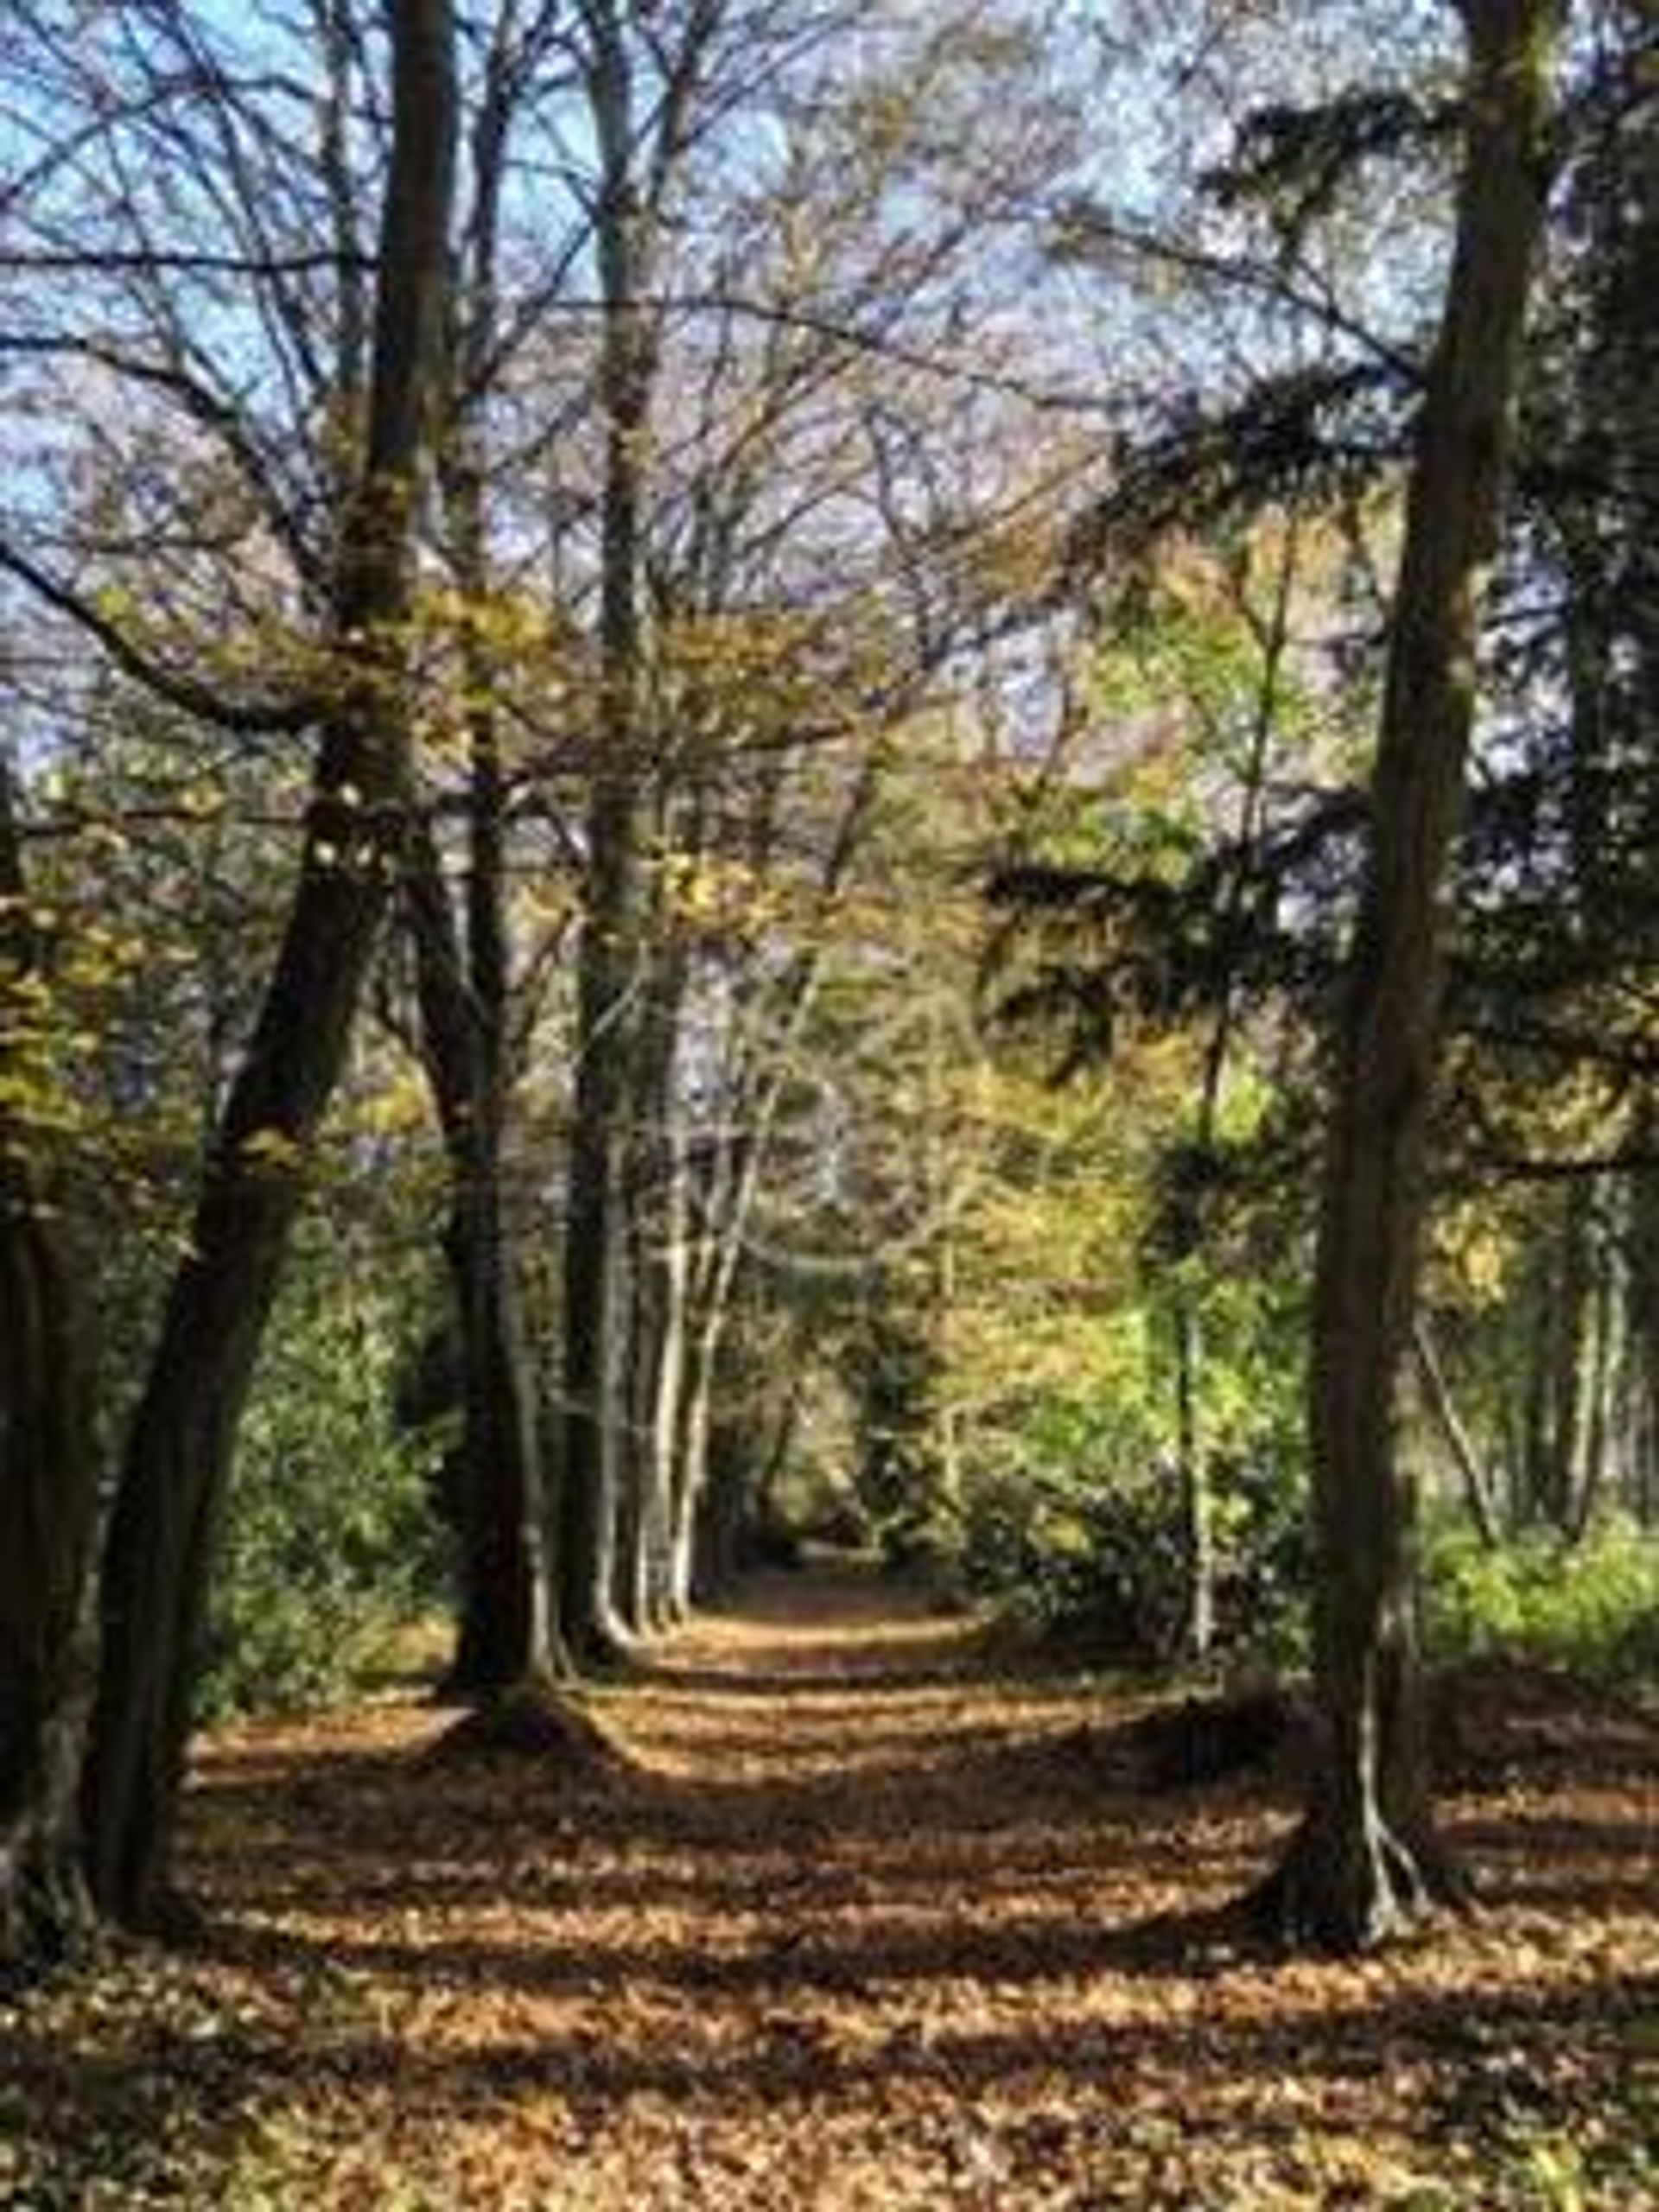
(663, 560)
(175, 1464)
(567, 514)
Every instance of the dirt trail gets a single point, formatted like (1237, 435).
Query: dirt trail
(857, 1925)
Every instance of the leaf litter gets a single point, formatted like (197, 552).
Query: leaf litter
(853, 1913)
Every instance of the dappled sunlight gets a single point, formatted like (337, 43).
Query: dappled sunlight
(878, 1938)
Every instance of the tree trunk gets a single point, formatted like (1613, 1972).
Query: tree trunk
(164, 1531)
(672, 1266)
(725, 1508)
(640, 157)
(1599, 1381)
(1478, 1490)
(1197, 1504)
(1642, 1327)
(1534, 1458)
(1567, 1308)
(1364, 1862)
(463, 966)
(505, 1631)
(1195, 1475)
(691, 1473)
(48, 1500)
(628, 1576)
(595, 1380)
(608, 968)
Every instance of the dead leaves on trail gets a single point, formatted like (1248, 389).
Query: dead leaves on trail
(849, 1922)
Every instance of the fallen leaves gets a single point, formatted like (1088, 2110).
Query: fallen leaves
(845, 1922)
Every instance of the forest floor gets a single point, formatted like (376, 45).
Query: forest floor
(861, 1918)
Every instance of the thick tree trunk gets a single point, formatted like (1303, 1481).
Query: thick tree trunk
(505, 1631)
(1364, 1862)
(727, 1504)
(506, 1634)
(164, 1530)
(48, 1498)
(1628, 362)
(48, 1501)
(464, 979)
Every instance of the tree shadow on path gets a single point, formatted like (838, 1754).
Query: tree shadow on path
(852, 1862)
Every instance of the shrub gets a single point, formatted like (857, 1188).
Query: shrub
(331, 1537)
(1080, 1535)
(1593, 1606)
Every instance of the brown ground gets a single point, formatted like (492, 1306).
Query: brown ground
(860, 1921)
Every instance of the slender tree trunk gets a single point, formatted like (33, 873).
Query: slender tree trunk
(1599, 1375)
(1532, 1502)
(164, 1531)
(1641, 1329)
(724, 1204)
(628, 1533)
(640, 160)
(1566, 1326)
(1364, 1861)
(673, 1266)
(609, 957)
(692, 1471)
(656, 1197)
(710, 1298)
(1194, 1474)
(1477, 1487)
(646, 1321)
(713, 1261)
(595, 1380)
(1197, 1502)
(48, 1500)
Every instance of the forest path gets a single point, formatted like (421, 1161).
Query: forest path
(859, 1921)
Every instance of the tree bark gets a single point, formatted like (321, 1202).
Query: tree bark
(48, 1500)
(657, 1245)
(164, 1530)
(1568, 1308)
(504, 1634)
(1477, 1486)
(609, 956)
(464, 981)
(1364, 1861)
